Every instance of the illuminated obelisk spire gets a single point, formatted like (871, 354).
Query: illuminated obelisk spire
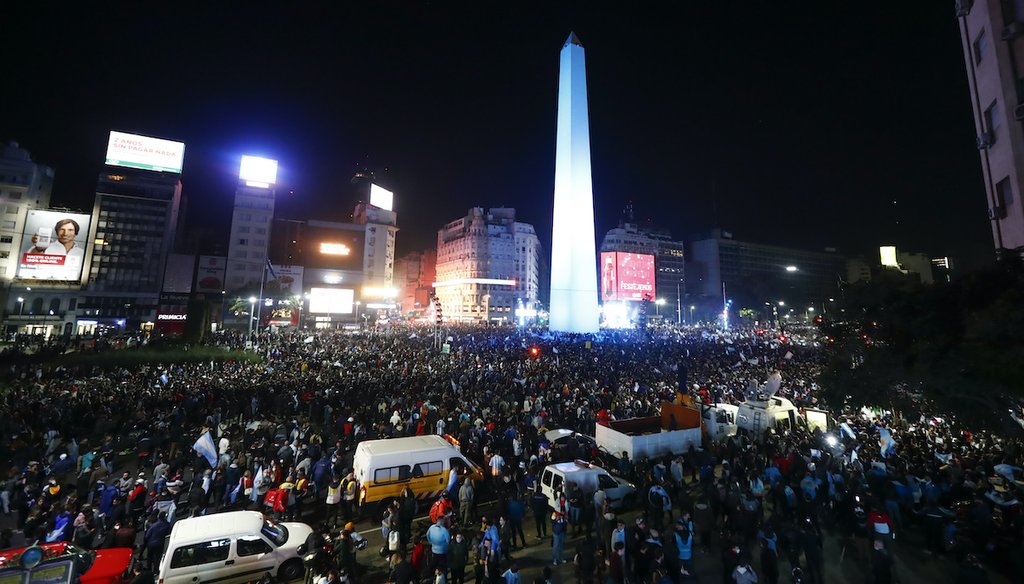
(573, 258)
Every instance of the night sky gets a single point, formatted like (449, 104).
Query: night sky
(797, 123)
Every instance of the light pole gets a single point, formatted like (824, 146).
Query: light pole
(679, 304)
(21, 305)
(657, 306)
(692, 307)
(358, 304)
(810, 310)
(252, 310)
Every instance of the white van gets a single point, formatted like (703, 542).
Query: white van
(590, 478)
(384, 468)
(759, 414)
(229, 548)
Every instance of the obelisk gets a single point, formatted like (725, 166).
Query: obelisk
(573, 256)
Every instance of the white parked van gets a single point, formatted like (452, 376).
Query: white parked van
(759, 414)
(230, 548)
(590, 478)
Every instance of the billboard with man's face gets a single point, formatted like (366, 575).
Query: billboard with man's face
(53, 246)
(626, 276)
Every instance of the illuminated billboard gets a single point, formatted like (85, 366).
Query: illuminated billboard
(887, 254)
(210, 275)
(285, 279)
(135, 151)
(334, 249)
(331, 300)
(258, 172)
(53, 246)
(626, 276)
(381, 197)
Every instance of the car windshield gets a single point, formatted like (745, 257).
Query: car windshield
(275, 532)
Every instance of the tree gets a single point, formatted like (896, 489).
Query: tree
(956, 347)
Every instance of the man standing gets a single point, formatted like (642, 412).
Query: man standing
(439, 539)
(466, 498)
(539, 504)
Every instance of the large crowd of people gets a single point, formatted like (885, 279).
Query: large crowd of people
(105, 457)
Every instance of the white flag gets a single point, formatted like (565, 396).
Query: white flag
(789, 355)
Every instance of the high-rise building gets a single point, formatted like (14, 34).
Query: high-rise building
(131, 232)
(487, 266)
(379, 249)
(755, 273)
(669, 265)
(992, 35)
(573, 257)
(251, 223)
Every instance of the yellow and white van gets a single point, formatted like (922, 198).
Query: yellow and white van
(384, 468)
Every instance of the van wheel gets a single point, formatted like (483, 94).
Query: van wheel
(291, 570)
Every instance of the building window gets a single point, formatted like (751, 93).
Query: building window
(980, 47)
(1004, 193)
(243, 241)
(993, 119)
(6, 239)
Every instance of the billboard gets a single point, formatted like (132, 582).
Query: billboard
(210, 275)
(178, 272)
(626, 276)
(53, 246)
(285, 279)
(258, 172)
(135, 151)
(331, 300)
(381, 197)
(334, 249)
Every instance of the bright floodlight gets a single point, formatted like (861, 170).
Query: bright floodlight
(831, 440)
(792, 268)
(887, 253)
(257, 171)
(782, 303)
(660, 302)
(381, 197)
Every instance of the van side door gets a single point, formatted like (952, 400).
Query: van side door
(202, 562)
(254, 557)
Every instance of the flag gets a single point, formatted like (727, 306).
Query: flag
(204, 446)
(789, 355)
(257, 482)
(554, 350)
(270, 268)
(848, 430)
(164, 379)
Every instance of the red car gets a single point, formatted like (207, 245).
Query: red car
(64, 562)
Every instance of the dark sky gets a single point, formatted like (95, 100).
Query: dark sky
(798, 123)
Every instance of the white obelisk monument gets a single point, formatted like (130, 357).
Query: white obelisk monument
(573, 256)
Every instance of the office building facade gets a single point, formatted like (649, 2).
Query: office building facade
(487, 266)
(755, 273)
(251, 220)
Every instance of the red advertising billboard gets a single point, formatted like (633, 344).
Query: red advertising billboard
(626, 276)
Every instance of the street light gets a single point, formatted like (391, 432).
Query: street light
(782, 302)
(21, 305)
(657, 306)
(692, 307)
(792, 269)
(252, 310)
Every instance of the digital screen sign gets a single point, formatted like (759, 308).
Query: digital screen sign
(53, 246)
(258, 172)
(331, 300)
(334, 249)
(135, 151)
(381, 197)
(626, 276)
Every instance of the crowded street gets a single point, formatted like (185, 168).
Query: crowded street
(115, 457)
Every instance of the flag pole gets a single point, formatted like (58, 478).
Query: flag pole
(259, 308)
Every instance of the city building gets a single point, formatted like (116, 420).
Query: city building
(25, 185)
(992, 35)
(130, 233)
(250, 224)
(915, 265)
(574, 305)
(415, 274)
(754, 273)
(669, 260)
(487, 266)
(379, 249)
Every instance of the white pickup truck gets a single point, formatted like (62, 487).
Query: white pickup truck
(647, 437)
